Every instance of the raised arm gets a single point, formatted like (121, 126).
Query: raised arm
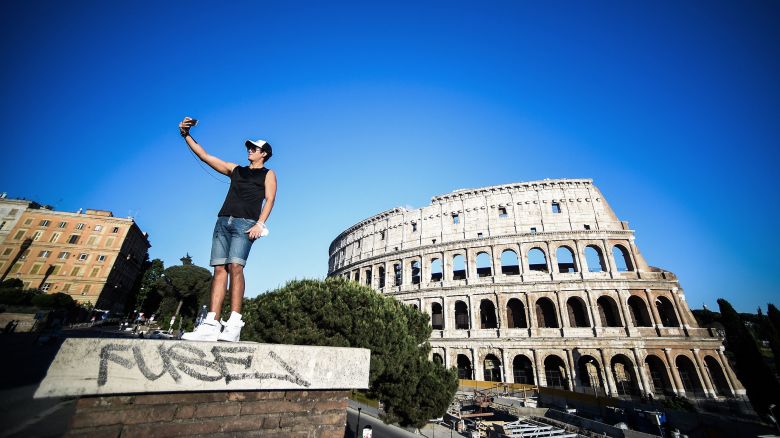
(220, 166)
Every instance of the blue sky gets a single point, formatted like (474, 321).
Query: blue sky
(671, 107)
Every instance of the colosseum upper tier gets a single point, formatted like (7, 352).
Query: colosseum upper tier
(538, 282)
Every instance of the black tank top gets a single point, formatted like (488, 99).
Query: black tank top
(246, 193)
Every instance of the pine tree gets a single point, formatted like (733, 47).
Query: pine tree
(761, 385)
(774, 316)
(336, 312)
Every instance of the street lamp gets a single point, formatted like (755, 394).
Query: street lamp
(357, 428)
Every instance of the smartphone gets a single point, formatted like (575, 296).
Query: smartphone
(194, 122)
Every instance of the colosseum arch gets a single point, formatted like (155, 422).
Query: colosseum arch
(492, 369)
(622, 258)
(437, 359)
(537, 260)
(546, 316)
(555, 372)
(397, 273)
(414, 268)
(666, 312)
(465, 370)
(523, 370)
(626, 382)
(640, 317)
(484, 265)
(662, 384)
(589, 373)
(566, 261)
(689, 376)
(510, 264)
(458, 267)
(578, 312)
(608, 311)
(717, 377)
(381, 276)
(462, 316)
(487, 314)
(515, 314)
(594, 258)
(437, 271)
(437, 316)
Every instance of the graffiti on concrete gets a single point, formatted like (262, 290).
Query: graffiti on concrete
(195, 362)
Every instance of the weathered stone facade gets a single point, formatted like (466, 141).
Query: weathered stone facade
(538, 282)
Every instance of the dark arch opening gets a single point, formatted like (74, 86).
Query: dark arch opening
(437, 359)
(437, 316)
(689, 376)
(640, 317)
(464, 367)
(578, 315)
(487, 315)
(666, 312)
(545, 313)
(523, 370)
(622, 258)
(555, 372)
(381, 277)
(415, 267)
(492, 369)
(717, 376)
(660, 378)
(515, 314)
(610, 317)
(624, 375)
(461, 316)
(589, 372)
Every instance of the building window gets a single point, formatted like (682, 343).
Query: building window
(587, 227)
(35, 269)
(115, 230)
(54, 238)
(28, 222)
(91, 240)
(110, 242)
(533, 229)
(87, 287)
(75, 272)
(80, 226)
(63, 255)
(16, 267)
(44, 254)
(502, 212)
(101, 258)
(45, 223)
(19, 234)
(83, 257)
(556, 207)
(62, 224)
(382, 235)
(479, 235)
(24, 254)
(66, 287)
(46, 287)
(94, 272)
(7, 251)
(56, 269)
(98, 227)
(455, 218)
(37, 235)
(73, 239)
(13, 212)
(414, 227)
(2, 225)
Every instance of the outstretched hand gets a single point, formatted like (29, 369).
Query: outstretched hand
(185, 125)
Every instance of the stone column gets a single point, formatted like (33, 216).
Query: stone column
(561, 305)
(471, 266)
(704, 374)
(549, 260)
(505, 366)
(479, 372)
(611, 266)
(447, 360)
(609, 381)
(677, 385)
(654, 316)
(678, 311)
(639, 367)
(572, 374)
(446, 266)
(471, 315)
(496, 260)
(541, 378)
(531, 309)
(730, 377)
(578, 258)
(623, 309)
(500, 315)
(595, 319)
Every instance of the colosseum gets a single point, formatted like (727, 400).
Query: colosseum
(540, 283)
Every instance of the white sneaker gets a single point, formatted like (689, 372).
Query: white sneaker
(231, 331)
(208, 330)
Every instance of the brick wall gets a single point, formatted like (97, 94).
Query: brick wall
(302, 414)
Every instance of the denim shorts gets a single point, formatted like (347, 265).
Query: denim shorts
(231, 243)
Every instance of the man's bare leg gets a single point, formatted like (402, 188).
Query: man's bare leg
(236, 287)
(218, 288)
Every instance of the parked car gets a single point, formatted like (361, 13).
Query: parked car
(159, 334)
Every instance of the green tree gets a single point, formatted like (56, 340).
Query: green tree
(335, 312)
(184, 287)
(774, 316)
(760, 383)
(12, 283)
(147, 299)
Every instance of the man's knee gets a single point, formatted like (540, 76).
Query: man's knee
(220, 270)
(235, 269)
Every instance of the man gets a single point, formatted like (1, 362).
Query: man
(240, 222)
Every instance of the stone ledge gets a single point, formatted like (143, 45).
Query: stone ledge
(129, 366)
